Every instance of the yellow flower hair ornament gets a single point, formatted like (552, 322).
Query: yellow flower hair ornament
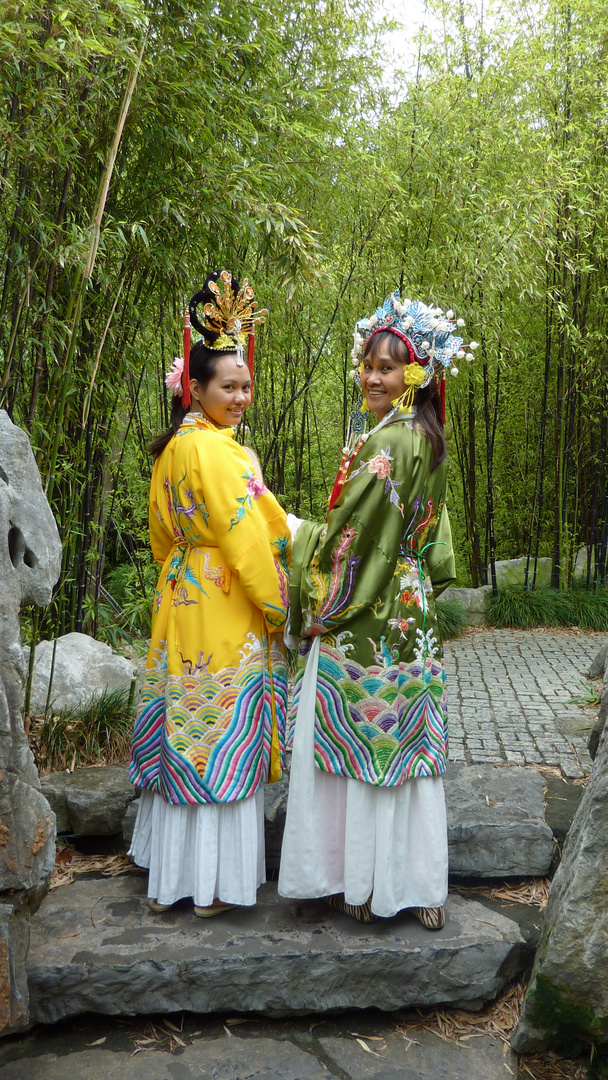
(413, 376)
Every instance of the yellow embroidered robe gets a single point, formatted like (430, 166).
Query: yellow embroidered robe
(211, 721)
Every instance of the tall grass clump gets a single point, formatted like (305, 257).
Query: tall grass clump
(581, 606)
(97, 732)
(590, 607)
(452, 618)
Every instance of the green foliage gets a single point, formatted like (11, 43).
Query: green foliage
(125, 611)
(452, 618)
(584, 607)
(263, 138)
(570, 1025)
(98, 732)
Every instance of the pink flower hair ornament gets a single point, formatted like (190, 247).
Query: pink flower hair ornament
(173, 378)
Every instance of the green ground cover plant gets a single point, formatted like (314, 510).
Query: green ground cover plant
(579, 606)
(97, 732)
(452, 618)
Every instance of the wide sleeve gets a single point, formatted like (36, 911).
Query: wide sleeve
(388, 520)
(161, 538)
(341, 568)
(249, 525)
(439, 555)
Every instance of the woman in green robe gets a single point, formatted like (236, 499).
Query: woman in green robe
(366, 825)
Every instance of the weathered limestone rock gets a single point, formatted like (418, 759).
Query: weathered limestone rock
(599, 664)
(568, 992)
(599, 670)
(496, 825)
(99, 947)
(579, 572)
(128, 823)
(83, 668)
(474, 601)
(513, 572)
(90, 802)
(30, 560)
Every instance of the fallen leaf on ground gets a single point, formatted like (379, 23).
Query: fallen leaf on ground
(535, 892)
(367, 1048)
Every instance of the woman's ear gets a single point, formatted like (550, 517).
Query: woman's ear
(195, 391)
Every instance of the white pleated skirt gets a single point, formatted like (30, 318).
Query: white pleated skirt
(202, 851)
(346, 836)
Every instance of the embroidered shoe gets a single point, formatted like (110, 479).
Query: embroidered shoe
(216, 908)
(361, 912)
(432, 918)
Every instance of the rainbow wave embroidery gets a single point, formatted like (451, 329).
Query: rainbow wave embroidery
(207, 737)
(382, 725)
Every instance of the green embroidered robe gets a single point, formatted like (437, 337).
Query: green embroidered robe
(366, 581)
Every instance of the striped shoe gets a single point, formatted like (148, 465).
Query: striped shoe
(361, 912)
(432, 918)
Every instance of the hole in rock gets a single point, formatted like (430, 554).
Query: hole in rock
(3, 475)
(16, 546)
(29, 558)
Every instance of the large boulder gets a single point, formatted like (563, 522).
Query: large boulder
(513, 572)
(599, 670)
(496, 825)
(568, 993)
(81, 668)
(90, 802)
(474, 601)
(30, 562)
(582, 565)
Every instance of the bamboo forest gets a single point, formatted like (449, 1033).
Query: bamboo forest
(144, 142)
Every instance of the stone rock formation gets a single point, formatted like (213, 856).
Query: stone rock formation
(30, 561)
(82, 668)
(599, 670)
(567, 999)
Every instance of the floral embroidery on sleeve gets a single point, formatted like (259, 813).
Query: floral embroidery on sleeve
(380, 467)
(255, 488)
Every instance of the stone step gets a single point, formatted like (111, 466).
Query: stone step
(496, 826)
(96, 946)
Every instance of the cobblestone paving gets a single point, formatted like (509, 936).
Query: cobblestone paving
(509, 698)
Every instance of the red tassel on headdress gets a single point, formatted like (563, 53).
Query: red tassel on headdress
(186, 399)
(442, 398)
(250, 352)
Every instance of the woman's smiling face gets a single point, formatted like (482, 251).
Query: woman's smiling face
(381, 379)
(227, 394)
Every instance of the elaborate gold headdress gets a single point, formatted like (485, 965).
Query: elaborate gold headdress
(229, 323)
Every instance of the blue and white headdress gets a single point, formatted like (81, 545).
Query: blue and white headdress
(428, 333)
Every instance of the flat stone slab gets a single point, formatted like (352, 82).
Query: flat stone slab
(496, 825)
(89, 802)
(242, 1057)
(421, 1056)
(96, 946)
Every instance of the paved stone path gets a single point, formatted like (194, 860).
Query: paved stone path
(510, 698)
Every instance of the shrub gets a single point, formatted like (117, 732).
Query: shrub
(452, 618)
(98, 732)
(580, 606)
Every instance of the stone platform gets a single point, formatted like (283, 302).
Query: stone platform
(96, 946)
(496, 824)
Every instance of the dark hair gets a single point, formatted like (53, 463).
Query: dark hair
(428, 408)
(203, 363)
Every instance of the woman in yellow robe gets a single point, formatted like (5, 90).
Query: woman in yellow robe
(210, 727)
